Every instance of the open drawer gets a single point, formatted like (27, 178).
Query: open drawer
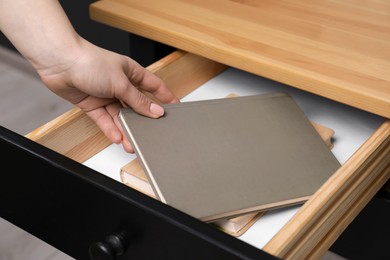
(314, 227)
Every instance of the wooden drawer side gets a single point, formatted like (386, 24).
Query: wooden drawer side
(72, 134)
(186, 73)
(326, 215)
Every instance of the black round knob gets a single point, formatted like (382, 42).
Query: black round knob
(112, 246)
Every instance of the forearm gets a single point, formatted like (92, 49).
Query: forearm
(40, 30)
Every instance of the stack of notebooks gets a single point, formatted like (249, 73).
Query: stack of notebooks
(133, 176)
(223, 160)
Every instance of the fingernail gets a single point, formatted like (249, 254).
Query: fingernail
(156, 109)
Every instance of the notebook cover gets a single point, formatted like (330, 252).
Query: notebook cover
(137, 180)
(220, 158)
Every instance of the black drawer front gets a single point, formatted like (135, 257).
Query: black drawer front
(367, 237)
(71, 207)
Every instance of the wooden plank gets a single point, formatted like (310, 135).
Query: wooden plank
(351, 213)
(336, 49)
(72, 134)
(184, 72)
(326, 215)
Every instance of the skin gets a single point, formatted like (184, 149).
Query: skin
(96, 80)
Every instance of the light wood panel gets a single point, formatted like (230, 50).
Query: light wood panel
(336, 49)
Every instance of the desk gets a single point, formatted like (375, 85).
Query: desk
(72, 226)
(336, 49)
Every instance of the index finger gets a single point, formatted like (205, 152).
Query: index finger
(143, 79)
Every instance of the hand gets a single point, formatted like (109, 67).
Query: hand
(97, 81)
(92, 78)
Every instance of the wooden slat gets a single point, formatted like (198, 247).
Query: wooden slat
(324, 216)
(72, 134)
(336, 49)
(183, 72)
(350, 214)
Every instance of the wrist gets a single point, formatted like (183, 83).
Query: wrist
(58, 57)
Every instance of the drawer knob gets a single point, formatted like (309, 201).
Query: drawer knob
(113, 245)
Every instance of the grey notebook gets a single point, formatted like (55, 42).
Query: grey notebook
(220, 158)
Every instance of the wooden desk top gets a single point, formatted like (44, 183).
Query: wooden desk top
(336, 49)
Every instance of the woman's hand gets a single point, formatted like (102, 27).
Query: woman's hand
(96, 80)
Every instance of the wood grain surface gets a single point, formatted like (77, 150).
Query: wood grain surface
(336, 49)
